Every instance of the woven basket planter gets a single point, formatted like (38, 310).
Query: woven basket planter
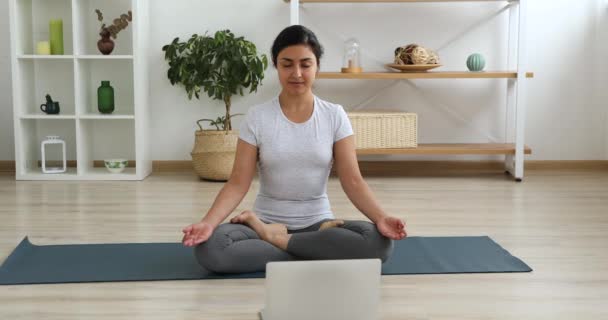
(213, 154)
(377, 130)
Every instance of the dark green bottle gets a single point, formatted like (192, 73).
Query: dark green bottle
(105, 97)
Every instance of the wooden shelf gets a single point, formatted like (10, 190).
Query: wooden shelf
(515, 160)
(381, 1)
(451, 148)
(423, 75)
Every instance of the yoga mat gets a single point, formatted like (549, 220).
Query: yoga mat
(29, 264)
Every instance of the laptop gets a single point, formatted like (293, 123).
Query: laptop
(322, 289)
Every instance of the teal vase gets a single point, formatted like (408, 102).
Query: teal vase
(476, 62)
(105, 97)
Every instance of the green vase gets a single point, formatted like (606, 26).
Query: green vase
(476, 62)
(56, 36)
(105, 97)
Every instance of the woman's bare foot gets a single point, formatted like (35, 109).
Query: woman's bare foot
(331, 224)
(274, 233)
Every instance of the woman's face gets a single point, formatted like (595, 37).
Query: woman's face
(297, 68)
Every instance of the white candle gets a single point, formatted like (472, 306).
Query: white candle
(43, 47)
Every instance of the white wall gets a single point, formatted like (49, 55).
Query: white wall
(602, 93)
(566, 116)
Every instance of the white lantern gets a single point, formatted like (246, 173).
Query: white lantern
(51, 140)
(352, 57)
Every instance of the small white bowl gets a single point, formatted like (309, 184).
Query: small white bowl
(116, 165)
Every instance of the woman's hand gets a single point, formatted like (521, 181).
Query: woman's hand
(197, 233)
(391, 227)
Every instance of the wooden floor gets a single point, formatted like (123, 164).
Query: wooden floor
(556, 221)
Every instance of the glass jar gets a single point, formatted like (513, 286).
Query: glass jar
(351, 62)
(105, 97)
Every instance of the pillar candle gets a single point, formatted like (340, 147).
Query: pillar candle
(56, 36)
(43, 47)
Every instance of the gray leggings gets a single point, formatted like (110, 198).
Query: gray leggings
(236, 248)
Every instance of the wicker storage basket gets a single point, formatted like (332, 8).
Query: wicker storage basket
(213, 154)
(376, 130)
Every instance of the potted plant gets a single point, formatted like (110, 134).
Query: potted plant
(222, 66)
(105, 44)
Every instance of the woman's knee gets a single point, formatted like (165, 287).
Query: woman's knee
(208, 257)
(211, 253)
(384, 246)
(377, 245)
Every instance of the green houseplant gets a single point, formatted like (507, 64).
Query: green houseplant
(221, 66)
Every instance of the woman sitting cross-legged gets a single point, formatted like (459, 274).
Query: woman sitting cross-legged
(293, 139)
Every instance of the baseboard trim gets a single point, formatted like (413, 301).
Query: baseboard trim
(7, 166)
(387, 168)
(172, 166)
(391, 167)
(567, 165)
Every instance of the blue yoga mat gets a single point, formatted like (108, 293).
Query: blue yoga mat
(29, 264)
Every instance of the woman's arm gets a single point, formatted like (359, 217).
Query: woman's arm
(229, 197)
(352, 182)
(359, 192)
(237, 186)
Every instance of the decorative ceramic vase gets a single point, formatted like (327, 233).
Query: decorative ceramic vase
(105, 44)
(56, 36)
(476, 62)
(105, 97)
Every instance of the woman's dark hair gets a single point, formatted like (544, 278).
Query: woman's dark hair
(296, 35)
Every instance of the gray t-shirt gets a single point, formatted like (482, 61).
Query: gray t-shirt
(295, 160)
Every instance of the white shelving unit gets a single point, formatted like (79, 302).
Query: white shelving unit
(514, 148)
(73, 79)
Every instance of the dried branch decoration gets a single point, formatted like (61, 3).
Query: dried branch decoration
(117, 25)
